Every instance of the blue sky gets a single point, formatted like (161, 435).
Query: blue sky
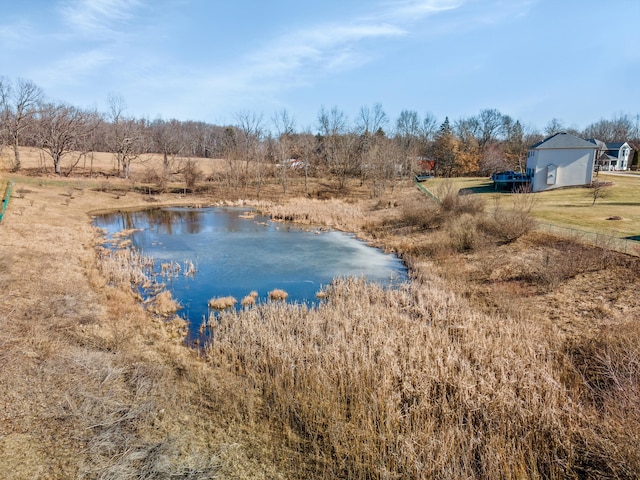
(210, 60)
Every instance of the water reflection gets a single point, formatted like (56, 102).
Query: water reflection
(236, 253)
(162, 220)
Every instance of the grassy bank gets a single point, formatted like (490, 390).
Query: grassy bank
(512, 354)
(616, 213)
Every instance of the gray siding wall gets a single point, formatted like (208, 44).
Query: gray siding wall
(575, 167)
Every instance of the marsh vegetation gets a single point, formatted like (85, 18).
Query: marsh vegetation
(510, 354)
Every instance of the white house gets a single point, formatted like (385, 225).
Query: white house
(612, 156)
(561, 160)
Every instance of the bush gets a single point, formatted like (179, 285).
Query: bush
(454, 203)
(509, 224)
(424, 213)
(565, 259)
(463, 232)
(192, 174)
(421, 213)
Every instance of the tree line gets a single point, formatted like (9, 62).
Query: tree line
(372, 146)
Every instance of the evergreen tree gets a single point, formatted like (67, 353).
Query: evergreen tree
(445, 149)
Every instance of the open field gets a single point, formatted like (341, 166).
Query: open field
(572, 207)
(511, 354)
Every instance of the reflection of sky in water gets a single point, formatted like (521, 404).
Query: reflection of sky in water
(236, 255)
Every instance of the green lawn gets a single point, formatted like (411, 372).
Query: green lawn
(570, 207)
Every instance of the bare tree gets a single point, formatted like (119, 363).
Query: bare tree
(408, 137)
(191, 173)
(19, 107)
(371, 119)
(554, 126)
(493, 160)
(63, 129)
(250, 129)
(429, 128)
(305, 145)
(125, 134)
(370, 126)
(599, 190)
(231, 152)
(284, 126)
(381, 162)
(619, 129)
(166, 140)
(4, 111)
(337, 144)
(491, 126)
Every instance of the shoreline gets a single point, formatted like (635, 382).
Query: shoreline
(87, 372)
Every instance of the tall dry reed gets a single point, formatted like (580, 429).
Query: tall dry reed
(405, 383)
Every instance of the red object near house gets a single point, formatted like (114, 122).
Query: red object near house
(426, 165)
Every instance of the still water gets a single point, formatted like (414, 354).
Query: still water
(235, 252)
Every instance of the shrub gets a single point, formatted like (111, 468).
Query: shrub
(463, 232)
(454, 203)
(509, 224)
(192, 174)
(420, 213)
(555, 263)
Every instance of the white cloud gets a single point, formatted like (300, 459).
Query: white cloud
(15, 31)
(306, 55)
(412, 10)
(98, 16)
(73, 68)
(321, 48)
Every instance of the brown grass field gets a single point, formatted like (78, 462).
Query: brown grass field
(511, 354)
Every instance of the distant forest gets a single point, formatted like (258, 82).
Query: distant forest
(370, 145)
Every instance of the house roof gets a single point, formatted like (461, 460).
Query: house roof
(607, 145)
(563, 140)
(614, 145)
(601, 145)
(612, 149)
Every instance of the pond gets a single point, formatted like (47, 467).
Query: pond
(235, 251)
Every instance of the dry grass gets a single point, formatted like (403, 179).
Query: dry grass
(91, 384)
(504, 358)
(163, 304)
(249, 300)
(331, 213)
(409, 383)
(278, 295)
(222, 303)
(331, 372)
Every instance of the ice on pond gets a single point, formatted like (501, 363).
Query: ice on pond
(235, 253)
